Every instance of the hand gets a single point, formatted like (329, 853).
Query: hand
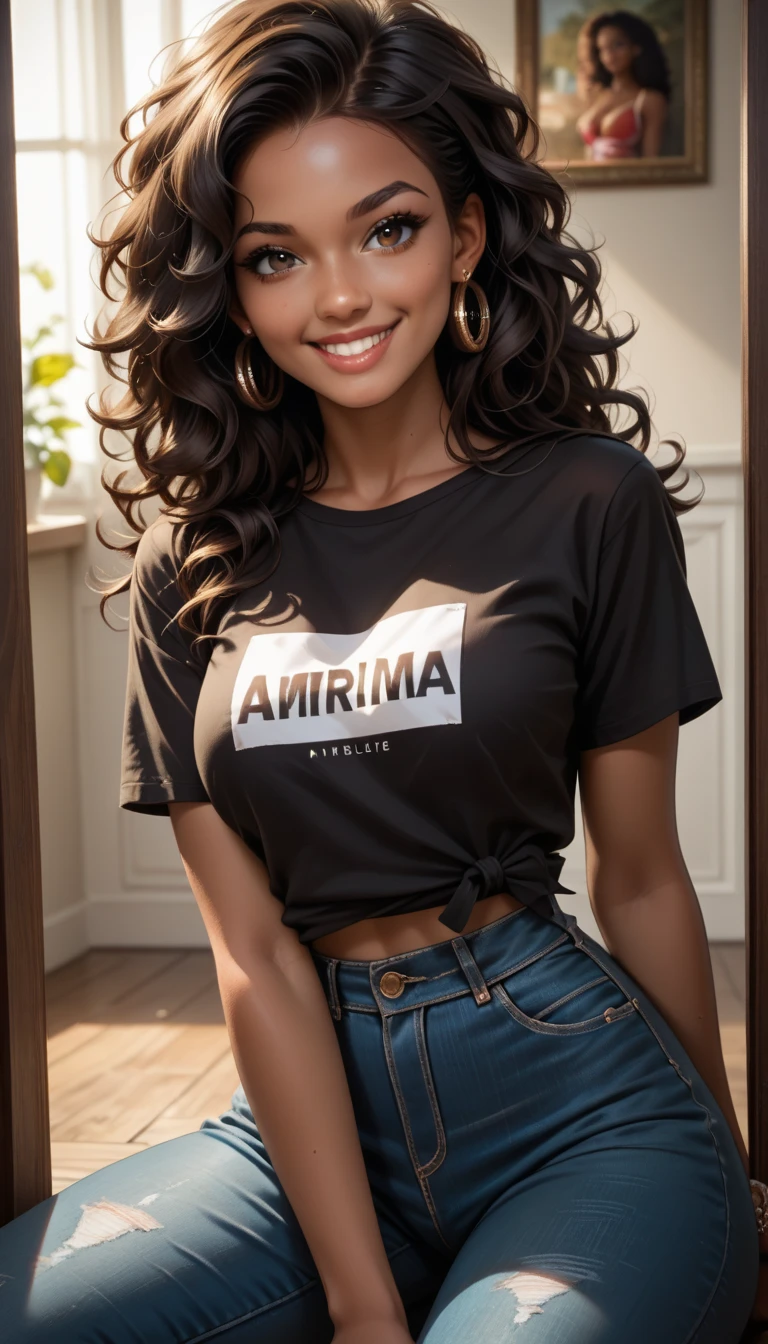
(376, 1331)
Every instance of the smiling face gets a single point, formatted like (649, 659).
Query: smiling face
(615, 50)
(345, 256)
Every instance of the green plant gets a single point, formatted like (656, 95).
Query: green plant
(45, 426)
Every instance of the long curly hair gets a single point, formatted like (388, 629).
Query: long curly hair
(650, 68)
(226, 473)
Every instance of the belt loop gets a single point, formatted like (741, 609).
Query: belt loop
(471, 970)
(333, 990)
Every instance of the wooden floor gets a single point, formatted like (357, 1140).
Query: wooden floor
(138, 1051)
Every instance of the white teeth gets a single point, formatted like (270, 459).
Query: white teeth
(356, 347)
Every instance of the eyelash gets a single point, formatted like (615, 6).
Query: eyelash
(408, 217)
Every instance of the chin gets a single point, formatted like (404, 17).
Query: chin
(362, 398)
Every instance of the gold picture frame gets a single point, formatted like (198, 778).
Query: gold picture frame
(686, 130)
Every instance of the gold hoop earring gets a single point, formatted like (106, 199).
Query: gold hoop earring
(248, 388)
(460, 329)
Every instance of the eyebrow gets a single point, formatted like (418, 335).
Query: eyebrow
(363, 207)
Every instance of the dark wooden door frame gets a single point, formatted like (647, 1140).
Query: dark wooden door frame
(25, 1164)
(754, 181)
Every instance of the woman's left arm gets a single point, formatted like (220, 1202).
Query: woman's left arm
(654, 115)
(642, 896)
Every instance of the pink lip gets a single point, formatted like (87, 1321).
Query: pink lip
(356, 363)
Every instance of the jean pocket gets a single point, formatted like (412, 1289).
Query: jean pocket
(563, 993)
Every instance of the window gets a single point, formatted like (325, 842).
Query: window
(78, 66)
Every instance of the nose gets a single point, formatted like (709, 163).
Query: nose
(341, 293)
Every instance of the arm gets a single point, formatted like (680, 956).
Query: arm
(654, 115)
(289, 1062)
(646, 907)
(642, 896)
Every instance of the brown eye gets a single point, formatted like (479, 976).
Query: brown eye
(394, 232)
(390, 234)
(269, 263)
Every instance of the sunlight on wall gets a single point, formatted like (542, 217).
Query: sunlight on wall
(52, 116)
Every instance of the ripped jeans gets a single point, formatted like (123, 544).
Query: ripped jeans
(545, 1162)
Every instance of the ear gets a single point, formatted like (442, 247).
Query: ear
(238, 316)
(469, 236)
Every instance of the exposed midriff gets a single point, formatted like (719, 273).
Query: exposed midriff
(372, 939)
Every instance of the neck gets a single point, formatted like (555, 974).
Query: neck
(375, 452)
(625, 85)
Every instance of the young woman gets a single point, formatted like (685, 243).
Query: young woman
(405, 585)
(630, 85)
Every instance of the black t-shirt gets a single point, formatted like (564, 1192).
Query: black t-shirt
(394, 719)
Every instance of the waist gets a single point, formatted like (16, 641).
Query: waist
(389, 935)
(615, 147)
(443, 970)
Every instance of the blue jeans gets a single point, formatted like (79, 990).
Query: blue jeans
(546, 1165)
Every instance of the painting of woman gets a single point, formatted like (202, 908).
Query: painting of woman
(631, 87)
(620, 95)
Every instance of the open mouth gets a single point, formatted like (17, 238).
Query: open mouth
(355, 347)
(355, 356)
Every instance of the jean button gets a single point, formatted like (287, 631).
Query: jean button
(391, 984)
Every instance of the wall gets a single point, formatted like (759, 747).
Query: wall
(52, 578)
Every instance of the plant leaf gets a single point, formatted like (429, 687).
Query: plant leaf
(58, 423)
(41, 274)
(57, 466)
(30, 342)
(47, 369)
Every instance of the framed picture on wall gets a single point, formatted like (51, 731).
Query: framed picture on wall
(620, 94)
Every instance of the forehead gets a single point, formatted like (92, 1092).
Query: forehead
(611, 34)
(334, 160)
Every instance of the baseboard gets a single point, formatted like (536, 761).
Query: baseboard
(148, 920)
(65, 935)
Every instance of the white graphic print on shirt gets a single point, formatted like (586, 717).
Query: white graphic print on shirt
(303, 686)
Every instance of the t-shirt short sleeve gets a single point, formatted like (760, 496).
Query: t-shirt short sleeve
(164, 679)
(643, 654)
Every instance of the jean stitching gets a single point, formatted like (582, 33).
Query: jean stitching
(560, 1028)
(471, 970)
(390, 1009)
(691, 1337)
(527, 961)
(278, 1302)
(399, 1098)
(333, 990)
(574, 994)
(440, 998)
(421, 1044)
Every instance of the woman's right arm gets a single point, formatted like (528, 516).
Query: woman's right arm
(288, 1058)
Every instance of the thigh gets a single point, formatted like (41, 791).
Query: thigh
(600, 1247)
(191, 1240)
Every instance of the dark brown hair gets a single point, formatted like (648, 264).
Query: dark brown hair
(228, 473)
(650, 68)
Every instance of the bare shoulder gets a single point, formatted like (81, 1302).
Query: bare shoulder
(653, 101)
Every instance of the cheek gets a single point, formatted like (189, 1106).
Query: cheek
(420, 288)
(276, 310)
